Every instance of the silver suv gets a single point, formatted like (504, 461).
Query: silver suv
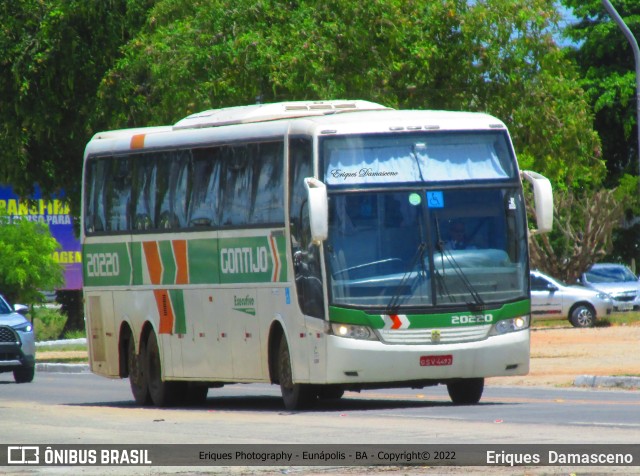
(553, 299)
(17, 342)
(616, 280)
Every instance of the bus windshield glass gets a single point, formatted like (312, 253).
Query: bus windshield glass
(417, 157)
(437, 243)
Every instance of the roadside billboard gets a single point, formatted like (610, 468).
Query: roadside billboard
(55, 213)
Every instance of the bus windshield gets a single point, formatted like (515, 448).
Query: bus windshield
(413, 248)
(417, 157)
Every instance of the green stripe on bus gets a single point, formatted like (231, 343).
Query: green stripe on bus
(427, 321)
(177, 300)
(281, 245)
(253, 259)
(246, 260)
(106, 264)
(138, 263)
(168, 262)
(203, 261)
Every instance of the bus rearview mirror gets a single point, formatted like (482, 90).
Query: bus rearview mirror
(318, 209)
(543, 200)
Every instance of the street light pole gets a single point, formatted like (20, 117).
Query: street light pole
(636, 54)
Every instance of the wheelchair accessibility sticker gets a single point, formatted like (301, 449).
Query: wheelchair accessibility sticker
(435, 199)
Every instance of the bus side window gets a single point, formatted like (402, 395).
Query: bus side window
(95, 218)
(144, 178)
(118, 191)
(267, 204)
(236, 185)
(173, 191)
(203, 204)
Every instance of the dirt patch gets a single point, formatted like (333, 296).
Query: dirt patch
(559, 355)
(61, 356)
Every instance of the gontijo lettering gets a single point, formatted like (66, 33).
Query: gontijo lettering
(103, 264)
(244, 260)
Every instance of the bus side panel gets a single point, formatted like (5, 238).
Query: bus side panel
(212, 335)
(195, 351)
(276, 304)
(101, 330)
(316, 350)
(239, 315)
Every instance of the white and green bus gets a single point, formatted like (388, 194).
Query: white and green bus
(322, 246)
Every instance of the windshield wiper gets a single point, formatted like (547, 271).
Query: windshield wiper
(446, 253)
(394, 303)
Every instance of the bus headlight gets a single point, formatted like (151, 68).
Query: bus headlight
(352, 331)
(509, 325)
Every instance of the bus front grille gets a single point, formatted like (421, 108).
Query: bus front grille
(450, 335)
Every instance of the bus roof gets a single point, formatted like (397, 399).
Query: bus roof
(297, 117)
(274, 111)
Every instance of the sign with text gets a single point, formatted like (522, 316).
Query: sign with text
(55, 214)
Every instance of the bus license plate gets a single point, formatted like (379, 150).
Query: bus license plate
(434, 360)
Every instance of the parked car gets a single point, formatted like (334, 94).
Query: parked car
(618, 281)
(17, 342)
(553, 299)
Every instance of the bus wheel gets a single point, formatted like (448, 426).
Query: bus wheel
(162, 393)
(466, 391)
(296, 396)
(137, 376)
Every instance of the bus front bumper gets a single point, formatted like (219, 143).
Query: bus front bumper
(351, 361)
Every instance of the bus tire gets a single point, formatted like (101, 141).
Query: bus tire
(296, 396)
(162, 393)
(137, 375)
(466, 391)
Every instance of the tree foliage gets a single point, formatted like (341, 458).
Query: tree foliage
(582, 235)
(53, 55)
(72, 67)
(607, 68)
(496, 56)
(27, 263)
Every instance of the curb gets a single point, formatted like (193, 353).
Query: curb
(599, 381)
(62, 368)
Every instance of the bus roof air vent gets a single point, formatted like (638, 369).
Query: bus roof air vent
(271, 112)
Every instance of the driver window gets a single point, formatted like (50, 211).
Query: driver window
(306, 256)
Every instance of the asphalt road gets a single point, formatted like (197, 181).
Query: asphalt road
(67, 408)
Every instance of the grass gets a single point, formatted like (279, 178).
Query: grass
(614, 319)
(48, 324)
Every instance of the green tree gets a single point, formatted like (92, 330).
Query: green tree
(53, 55)
(607, 69)
(496, 56)
(583, 233)
(27, 263)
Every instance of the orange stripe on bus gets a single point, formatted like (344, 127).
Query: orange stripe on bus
(180, 254)
(154, 265)
(276, 259)
(163, 302)
(137, 141)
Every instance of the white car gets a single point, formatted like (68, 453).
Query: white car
(553, 299)
(618, 281)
